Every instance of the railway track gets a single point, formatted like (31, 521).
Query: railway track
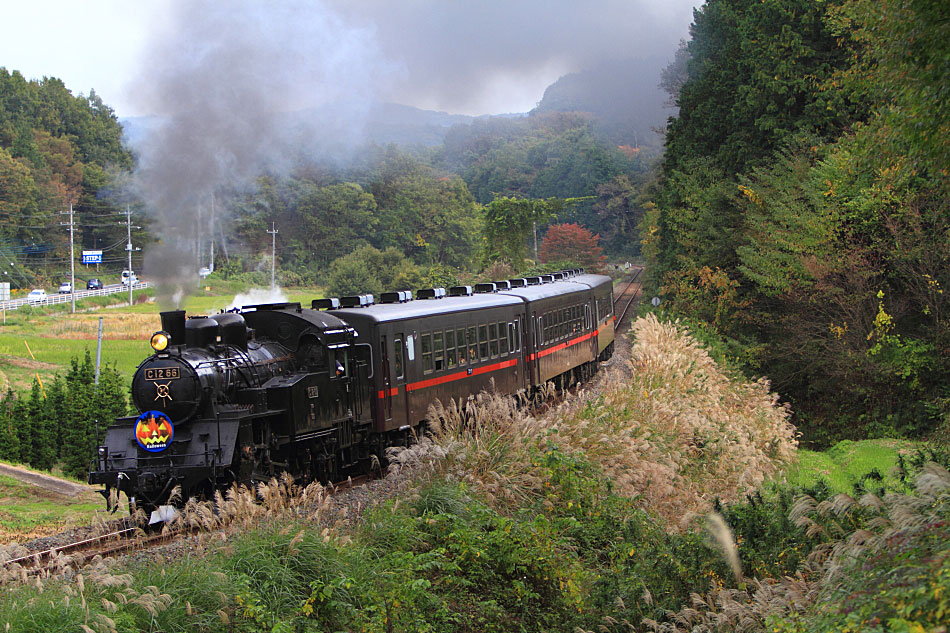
(120, 542)
(628, 296)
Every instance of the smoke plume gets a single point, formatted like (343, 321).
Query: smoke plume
(222, 79)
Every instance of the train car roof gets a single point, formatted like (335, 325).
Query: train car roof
(591, 280)
(385, 312)
(545, 291)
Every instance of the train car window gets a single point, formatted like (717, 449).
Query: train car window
(493, 338)
(397, 357)
(511, 338)
(483, 341)
(411, 347)
(518, 334)
(363, 352)
(340, 361)
(539, 335)
(460, 338)
(450, 348)
(472, 345)
(502, 340)
(426, 352)
(437, 351)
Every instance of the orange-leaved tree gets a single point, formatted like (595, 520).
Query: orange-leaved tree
(572, 243)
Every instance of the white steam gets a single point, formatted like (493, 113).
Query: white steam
(257, 296)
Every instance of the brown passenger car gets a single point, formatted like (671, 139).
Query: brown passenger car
(509, 340)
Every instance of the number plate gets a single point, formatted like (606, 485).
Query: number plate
(162, 373)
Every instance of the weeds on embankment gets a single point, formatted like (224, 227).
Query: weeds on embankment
(674, 433)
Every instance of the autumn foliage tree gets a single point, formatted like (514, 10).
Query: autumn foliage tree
(573, 243)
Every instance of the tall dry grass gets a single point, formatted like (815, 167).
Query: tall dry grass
(115, 326)
(670, 429)
(898, 523)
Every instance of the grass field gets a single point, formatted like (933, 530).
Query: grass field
(28, 512)
(845, 463)
(42, 341)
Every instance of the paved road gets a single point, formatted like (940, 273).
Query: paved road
(55, 484)
(55, 297)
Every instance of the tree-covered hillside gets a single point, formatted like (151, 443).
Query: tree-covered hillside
(56, 149)
(803, 208)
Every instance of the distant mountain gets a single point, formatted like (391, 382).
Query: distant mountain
(382, 123)
(623, 96)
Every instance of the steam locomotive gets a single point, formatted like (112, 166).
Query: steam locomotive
(319, 392)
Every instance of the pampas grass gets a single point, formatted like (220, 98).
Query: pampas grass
(671, 430)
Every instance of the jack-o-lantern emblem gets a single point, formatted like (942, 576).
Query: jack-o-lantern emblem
(154, 431)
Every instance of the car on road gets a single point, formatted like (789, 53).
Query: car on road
(93, 284)
(65, 288)
(128, 277)
(37, 295)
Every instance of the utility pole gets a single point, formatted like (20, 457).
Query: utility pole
(273, 252)
(128, 247)
(211, 265)
(72, 258)
(98, 350)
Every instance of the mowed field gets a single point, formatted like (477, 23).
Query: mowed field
(41, 342)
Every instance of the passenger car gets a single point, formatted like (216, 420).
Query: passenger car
(65, 288)
(128, 277)
(37, 295)
(93, 284)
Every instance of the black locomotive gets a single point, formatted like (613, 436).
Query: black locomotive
(317, 392)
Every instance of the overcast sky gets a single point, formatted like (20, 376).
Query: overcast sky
(458, 56)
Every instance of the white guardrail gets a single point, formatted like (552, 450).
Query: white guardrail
(13, 304)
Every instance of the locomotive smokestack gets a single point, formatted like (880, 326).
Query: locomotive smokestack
(173, 322)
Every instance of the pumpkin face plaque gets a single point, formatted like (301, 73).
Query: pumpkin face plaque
(154, 431)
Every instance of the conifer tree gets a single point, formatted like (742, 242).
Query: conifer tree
(79, 434)
(23, 424)
(42, 450)
(9, 442)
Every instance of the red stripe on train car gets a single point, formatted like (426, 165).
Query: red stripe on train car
(431, 382)
(392, 392)
(564, 345)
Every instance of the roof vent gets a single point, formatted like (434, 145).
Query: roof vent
(533, 281)
(400, 296)
(518, 283)
(503, 285)
(546, 279)
(430, 293)
(330, 303)
(490, 287)
(460, 291)
(358, 301)
(558, 276)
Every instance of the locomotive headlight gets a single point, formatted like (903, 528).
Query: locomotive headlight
(159, 341)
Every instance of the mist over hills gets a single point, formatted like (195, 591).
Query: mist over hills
(622, 97)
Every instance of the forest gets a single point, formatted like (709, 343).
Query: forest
(802, 212)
